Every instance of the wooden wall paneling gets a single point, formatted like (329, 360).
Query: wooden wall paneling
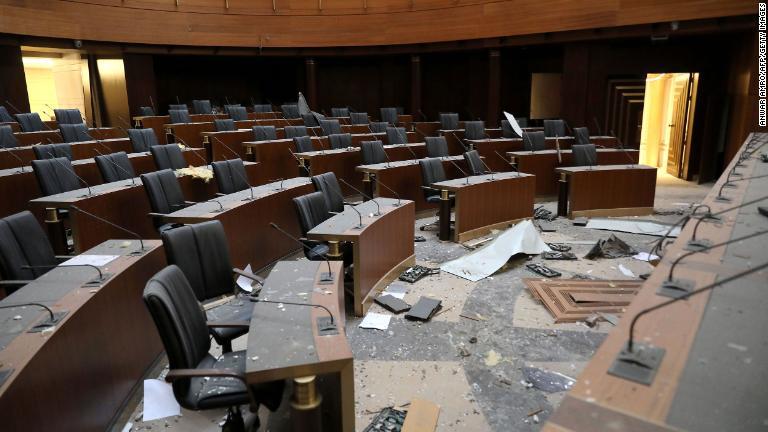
(140, 82)
(494, 88)
(13, 84)
(415, 107)
(575, 85)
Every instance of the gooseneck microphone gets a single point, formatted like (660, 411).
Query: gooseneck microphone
(123, 170)
(304, 167)
(624, 150)
(516, 168)
(461, 142)
(114, 225)
(378, 208)
(359, 215)
(324, 277)
(52, 319)
(192, 149)
(97, 281)
(72, 170)
(466, 176)
(391, 190)
(331, 325)
(15, 156)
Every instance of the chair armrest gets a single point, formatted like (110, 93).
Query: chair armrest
(12, 282)
(227, 324)
(175, 374)
(251, 276)
(429, 188)
(62, 258)
(352, 203)
(153, 214)
(219, 194)
(333, 212)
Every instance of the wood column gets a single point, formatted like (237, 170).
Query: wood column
(494, 88)
(575, 85)
(13, 84)
(312, 85)
(416, 87)
(140, 82)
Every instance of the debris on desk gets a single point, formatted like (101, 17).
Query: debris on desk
(611, 318)
(548, 381)
(559, 247)
(645, 256)
(613, 247)
(387, 420)
(392, 304)
(424, 309)
(376, 321)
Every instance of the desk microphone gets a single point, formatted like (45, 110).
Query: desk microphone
(404, 135)
(112, 224)
(423, 116)
(52, 320)
(11, 152)
(391, 190)
(72, 170)
(464, 146)
(359, 215)
(324, 277)
(221, 207)
(152, 104)
(597, 125)
(624, 150)
(124, 171)
(514, 165)
(205, 162)
(729, 182)
(239, 174)
(415, 156)
(306, 170)
(124, 121)
(378, 209)
(98, 281)
(466, 176)
(330, 326)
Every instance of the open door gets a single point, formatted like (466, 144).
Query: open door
(677, 160)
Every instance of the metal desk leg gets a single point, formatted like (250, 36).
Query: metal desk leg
(368, 180)
(562, 197)
(445, 216)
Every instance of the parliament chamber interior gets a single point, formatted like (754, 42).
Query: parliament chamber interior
(383, 215)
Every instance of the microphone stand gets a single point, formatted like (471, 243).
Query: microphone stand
(330, 326)
(95, 282)
(459, 168)
(624, 150)
(391, 190)
(242, 177)
(52, 320)
(359, 215)
(325, 278)
(112, 224)
(517, 170)
(72, 170)
(378, 208)
(21, 161)
(306, 170)
(133, 179)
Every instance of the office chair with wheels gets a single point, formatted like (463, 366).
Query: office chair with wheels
(168, 156)
(165, 196)
(142, 139)
(436, 147)
(230, 176)
(108, 167)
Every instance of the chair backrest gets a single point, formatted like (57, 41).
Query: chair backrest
(303, 144)
(507, 131)
(449, 121)
(358, 118)
(554, 128)
(389, 115)
(179, 116)
(30, 122)
(330, 127)
(377, 127)
(55, 176)
(68, 116)
(312, 210)
(23, 243)
(164, 191)
(168, 156)
(115, 167)
(373, 152)
(522, 121)
(474, 162)
(581, 135)
(74, 132)
(474, 130)
(264, 133)
(142, 139)
(534, 141)
(202, 106)
(340, 112)
(396, 135)
(230, 175)
(340, 141)
(146, 111)
(329, 186)
(295, 131)
(202, 253)
(584, 154)
(50, 151)
(178, 107)
(180, 321)
(290, 111)
(5, 116)
(436, 146)
(310, 120)
(238, 113)
(7, 139)
(432, 171)
(224, 125)
(262, 108)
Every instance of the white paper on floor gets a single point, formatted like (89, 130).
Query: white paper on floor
(645, 256)
(376, 321)
(632, 226)
(396, 289)
(243, 282)
(626, 272)
(94, 260)
(159, 401)
(521, 238)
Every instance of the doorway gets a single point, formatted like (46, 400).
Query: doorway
(55, 79)
(668, 117)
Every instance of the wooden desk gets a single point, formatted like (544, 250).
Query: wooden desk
(264, 115)
(711, 375)
(15, 127)
(246, 223)
(543, 163)
(157, 123)
(124, 203)
(382, 248)
(606, 190)
(404, 177)
(80, 375)
(484, 203)
(425, 129)
(53, 136)
(452, 137)
(216, 151)
(344, 162)
(80, 150)
(288, 344)
(187, 133)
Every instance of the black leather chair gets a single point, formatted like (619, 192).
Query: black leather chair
(230, 176)
(310, 120)
(23, 243)
(340, 112)
(534, 141)
(389, 115)
(30, 122)
(5, 116)
(262, 108)
(264, 133)
(330, 127)
(372, 152)
(584, 154)
(358, 118)
(474, 163)
(68, 116)
(201, 381)
(295, 131)
(178, 107)
(202, 253)
(303, 144)
(146, 111)
(7, 139)
(55, 176)
(340, 141)
(449, 121)
(168, 156)
(474, 130)
(522, 121)
(165, 196)
(142, 139)
(312, 210)
(432, 171)
(115, 167)
(436, 147)
(328, 185)
(290, 111)
(396, 135)
(202, 106)
(581, 135)
(554, 128)
(507, 131)
(75, 132)
(179, 116)
(50, 151)
(238, 113)
(223, 125)
(378, 127)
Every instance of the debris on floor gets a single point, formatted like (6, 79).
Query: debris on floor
(424, 309)
(543, 270)
(387, 420)
(571, 300)
(633, 226)
(542, 213)
(392, 304)
(559, 247)
(580, 221)
(548, 381)
(613, 247)
(159, 401)
(376, 321)
(413, 274)
(422, 416)
(558, 256)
